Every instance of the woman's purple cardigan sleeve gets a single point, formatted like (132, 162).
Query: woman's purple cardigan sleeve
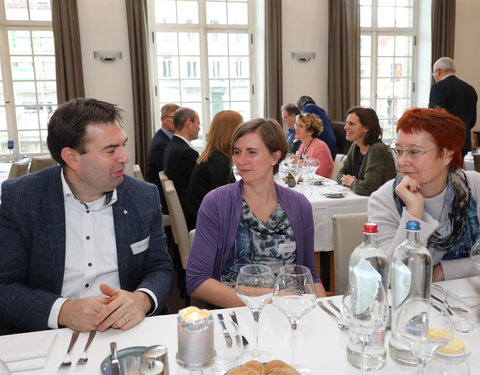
(217, 223)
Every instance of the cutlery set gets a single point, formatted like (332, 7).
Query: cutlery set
(226, 334)
(67, 362)
(340, 324)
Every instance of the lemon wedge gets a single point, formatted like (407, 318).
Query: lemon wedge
(453, 348)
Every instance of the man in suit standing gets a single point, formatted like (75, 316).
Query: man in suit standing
(180, 156)
(157, 149)
(82, 244)
(289, 115)
(454, 95)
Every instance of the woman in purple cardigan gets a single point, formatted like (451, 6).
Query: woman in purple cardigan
(251, 221)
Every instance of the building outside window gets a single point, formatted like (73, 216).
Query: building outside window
(28, 91)
(209, 45)
(387, 55)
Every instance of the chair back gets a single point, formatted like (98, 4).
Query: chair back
(337, 165)
(347, 235)
(137, 172)
(167, 222)
(178, 222)
(41, 162)
(19, 168)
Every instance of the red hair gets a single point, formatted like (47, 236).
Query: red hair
(447, 131)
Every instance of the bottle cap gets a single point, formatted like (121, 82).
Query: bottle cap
(370, 228)
(412, 225)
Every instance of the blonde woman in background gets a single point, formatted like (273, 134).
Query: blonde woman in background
(307, 129)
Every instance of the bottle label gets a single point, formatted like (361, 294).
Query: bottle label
(365, 280)
(401, 282)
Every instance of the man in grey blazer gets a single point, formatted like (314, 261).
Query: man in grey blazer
(82, 245)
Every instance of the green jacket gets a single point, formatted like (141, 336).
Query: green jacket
(377, 168)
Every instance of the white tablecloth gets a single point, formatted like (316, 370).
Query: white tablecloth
(320, 344)
(324, 208)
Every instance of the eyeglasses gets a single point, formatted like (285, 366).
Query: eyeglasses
(298, 125)
(412, 153)
(168, 116)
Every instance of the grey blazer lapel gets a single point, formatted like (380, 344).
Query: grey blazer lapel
(122, 213)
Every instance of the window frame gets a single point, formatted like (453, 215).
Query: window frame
(7, 80)
(203, 29)
(375, 32)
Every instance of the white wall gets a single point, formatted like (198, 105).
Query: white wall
(103, 26)
(305, 29)
(467, 52)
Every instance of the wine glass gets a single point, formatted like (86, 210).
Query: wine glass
(296, 169)
(365, 309)
(449, 360)
(475, 254)
(313, 165)
(425, 326)
(294, 296)
(254, 286)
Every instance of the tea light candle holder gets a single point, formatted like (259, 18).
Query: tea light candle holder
(195, 338)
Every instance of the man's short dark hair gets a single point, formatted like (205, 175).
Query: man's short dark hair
(181, 116)
(68, 125)
(304, 100)
(291, 109)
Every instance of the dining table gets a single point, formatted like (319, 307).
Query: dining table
(328, 198)
(321, 345)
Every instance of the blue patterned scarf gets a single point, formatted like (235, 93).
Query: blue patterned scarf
(459, 226)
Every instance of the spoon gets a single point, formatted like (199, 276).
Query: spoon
(340, 324)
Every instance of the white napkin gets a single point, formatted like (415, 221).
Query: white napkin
(467, 289)
(365, 279)
(26, 351)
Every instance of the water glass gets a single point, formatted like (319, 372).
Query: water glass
(462, 314)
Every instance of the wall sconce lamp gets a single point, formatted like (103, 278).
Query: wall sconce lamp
(303, 57)
(107, 56)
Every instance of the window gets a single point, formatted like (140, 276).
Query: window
(203, 54)
(27, 76)
(387, 53)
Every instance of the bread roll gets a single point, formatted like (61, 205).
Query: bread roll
(256, 366)
(241, 371)
(276, 364)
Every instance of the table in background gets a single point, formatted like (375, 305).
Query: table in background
(320, 344)
(323, 210)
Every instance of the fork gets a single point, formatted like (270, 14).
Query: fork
(67, 362)
(84, 357)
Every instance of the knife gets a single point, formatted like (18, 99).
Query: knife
(226, 335)
(233, 315)
(115, 363)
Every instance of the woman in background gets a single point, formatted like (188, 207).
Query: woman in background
(369, 163)
(214, 165)
(250, 221)
(307, 129)
(433, 189)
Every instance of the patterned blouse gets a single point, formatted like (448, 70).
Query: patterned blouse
(271, 243)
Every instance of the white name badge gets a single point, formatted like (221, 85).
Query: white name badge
(287, 247)
(140, 246)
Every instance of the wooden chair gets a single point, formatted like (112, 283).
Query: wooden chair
(180, 231)
(41, 162)
(19, 168)
(137, 172)
(347, 235)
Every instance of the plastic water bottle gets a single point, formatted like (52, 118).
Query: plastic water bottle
(368, 262)
(411, 277)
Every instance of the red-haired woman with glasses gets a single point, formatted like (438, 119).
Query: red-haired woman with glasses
(432, 189)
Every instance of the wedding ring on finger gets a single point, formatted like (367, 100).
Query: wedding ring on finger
(124, 317)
